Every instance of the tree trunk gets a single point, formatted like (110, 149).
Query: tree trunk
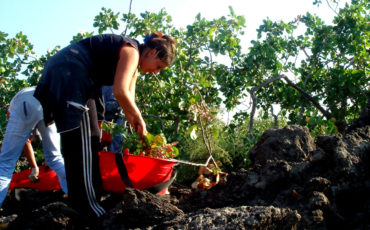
(253, 96)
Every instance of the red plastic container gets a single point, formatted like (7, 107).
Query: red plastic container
(106, 138)
(48, 180)
(144, 172)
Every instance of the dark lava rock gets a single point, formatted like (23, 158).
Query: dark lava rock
(291, 143)
(140, 209)
(243, 217)
(296, 182)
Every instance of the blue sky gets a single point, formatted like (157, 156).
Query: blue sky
(48, 23)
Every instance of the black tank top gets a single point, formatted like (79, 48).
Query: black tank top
(104, 52)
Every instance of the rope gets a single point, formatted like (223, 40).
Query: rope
(194, 164)
(127, 125)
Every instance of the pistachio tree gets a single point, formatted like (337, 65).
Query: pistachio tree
(320, 74)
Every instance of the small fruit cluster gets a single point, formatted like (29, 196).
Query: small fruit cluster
(156, 146)
(151, 145)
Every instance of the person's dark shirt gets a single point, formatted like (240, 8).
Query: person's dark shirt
(104, 50)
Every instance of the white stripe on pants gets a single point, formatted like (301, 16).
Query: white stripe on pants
(87, 165)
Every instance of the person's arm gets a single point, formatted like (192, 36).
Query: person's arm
(30, 155)
(124, 79)
(133, 85)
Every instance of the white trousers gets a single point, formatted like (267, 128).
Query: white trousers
(22, 121)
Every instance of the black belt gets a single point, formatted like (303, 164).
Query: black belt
(126, 179)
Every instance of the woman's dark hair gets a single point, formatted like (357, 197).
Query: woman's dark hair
(164, 45)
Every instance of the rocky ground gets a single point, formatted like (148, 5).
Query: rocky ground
(296, 182)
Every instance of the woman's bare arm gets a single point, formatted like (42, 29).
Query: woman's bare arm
(123, 88)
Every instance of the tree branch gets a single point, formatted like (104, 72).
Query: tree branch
(156, 117)
(308, 97)
(254, 99)
(129, 12)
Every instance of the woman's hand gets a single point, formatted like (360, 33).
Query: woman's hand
(138, 124)
(34, 176)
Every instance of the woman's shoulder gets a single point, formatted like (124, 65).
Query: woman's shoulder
(132, 41)
(115, 38)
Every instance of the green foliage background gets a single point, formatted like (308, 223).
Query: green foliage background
(330, 63)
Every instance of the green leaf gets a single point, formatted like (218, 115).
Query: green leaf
(182, 105)
(175, 151)
(193, 134)
(192, 100)
(241, 20)
(198, 16)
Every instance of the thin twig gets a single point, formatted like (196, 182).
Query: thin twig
(129, 12)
